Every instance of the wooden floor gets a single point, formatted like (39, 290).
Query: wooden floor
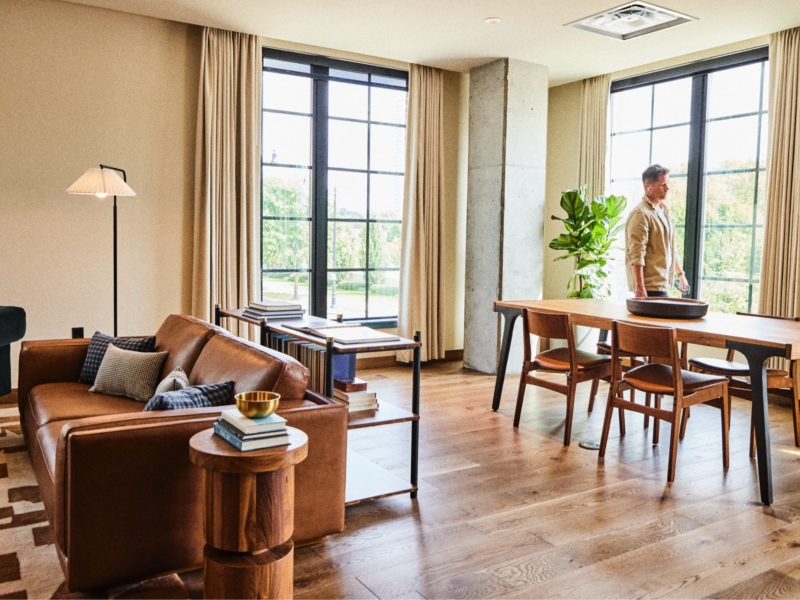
(514, 514)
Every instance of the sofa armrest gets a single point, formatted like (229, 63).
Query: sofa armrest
(48, 361)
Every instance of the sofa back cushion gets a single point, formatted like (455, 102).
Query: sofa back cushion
(184, 338)
(251, 367)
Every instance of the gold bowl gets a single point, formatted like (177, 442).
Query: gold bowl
(255, 405)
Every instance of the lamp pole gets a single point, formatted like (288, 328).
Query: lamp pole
(125, 179)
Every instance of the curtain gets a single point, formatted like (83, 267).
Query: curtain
(593, 134)
(421, 261)
(226, 260)
(779, 293)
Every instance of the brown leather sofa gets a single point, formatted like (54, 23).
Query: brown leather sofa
(123, 499)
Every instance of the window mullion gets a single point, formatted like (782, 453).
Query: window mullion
(319, 205)
(695, 200)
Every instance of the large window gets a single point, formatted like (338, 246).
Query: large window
(708, 124)
(333, 145)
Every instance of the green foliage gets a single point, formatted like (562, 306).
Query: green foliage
(384, 290)
(591, 227)
(352, 286)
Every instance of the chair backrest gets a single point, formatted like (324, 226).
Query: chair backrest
(545, 324)
(641, 340)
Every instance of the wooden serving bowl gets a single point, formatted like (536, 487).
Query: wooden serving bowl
(668, 308)
(256, 405)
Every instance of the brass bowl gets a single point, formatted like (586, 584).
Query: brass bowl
(255, 405)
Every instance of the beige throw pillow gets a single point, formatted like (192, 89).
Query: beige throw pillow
(129, 373)
(176, 380)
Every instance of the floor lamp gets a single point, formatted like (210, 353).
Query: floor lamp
(102, 182)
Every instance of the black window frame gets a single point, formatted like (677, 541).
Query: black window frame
(695, 187)
(318, 270)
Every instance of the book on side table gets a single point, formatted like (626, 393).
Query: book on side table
(251, 434)
(357, 401)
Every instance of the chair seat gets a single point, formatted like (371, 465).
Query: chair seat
(557, 359)
(730, 368)
(657, 379)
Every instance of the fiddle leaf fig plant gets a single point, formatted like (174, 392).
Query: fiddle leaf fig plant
(591, 226)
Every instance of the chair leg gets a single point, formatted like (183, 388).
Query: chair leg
(621, 420)
(673, 438)
(726, 425)
(796, 412)
(752, 439)
(657, 421)
(612, 391)
(520, 395)
(686, 413)
(595, 386)
(647, 403)
(570, 409)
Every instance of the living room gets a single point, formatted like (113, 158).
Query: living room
(116, 83)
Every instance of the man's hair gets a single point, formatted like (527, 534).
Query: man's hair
(653, 172)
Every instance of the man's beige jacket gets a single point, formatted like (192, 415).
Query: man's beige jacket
(650, 242)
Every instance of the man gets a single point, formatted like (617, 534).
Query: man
(650, 253)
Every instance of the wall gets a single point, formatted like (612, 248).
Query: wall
(81, 86)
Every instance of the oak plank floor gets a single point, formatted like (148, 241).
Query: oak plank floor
(514, 514)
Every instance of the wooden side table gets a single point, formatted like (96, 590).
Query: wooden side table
(249, 516)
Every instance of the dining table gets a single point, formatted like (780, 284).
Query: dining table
(756, 338)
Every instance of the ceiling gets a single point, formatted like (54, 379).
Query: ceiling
(451, 34)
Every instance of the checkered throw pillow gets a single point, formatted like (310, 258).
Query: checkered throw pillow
(129, 373)
(176, 380)
(97, 350)
(196, 396)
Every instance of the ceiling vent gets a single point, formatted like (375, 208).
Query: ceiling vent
(631, 20)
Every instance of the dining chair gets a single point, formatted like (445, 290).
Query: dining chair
(665, 377)
(577, 365)
(779, 382)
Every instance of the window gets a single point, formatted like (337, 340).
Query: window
(708, 124)
(333, 162)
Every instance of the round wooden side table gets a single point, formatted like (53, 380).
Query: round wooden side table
(249, 516)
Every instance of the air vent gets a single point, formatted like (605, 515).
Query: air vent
(631, 20)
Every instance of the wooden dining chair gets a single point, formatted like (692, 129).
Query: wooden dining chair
(577, 365)
(779, 382)
(662, 378)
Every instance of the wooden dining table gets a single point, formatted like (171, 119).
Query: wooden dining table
(756, 338)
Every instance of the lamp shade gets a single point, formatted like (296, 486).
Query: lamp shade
(101, 182)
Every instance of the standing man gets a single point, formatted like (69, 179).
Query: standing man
(650, 253)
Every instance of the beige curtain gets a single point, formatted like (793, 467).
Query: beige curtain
(227, 165)
(421, 261)
(593, 134)
(779, 293)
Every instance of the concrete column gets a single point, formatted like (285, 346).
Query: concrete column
(505, 202)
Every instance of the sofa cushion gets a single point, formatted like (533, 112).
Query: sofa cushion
(252, 367)
(99, 345)
(51, 402)
(184, 338)
(197, 396)
(129, 373)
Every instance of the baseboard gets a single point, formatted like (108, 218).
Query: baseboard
(453, 355)
(375, 362)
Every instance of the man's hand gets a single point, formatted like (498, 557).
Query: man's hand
(683, 284)
(638, 281)
(640, 292)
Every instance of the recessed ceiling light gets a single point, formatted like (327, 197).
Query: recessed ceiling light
(631, 20)
(491, 20)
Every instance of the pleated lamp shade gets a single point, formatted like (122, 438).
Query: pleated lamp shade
(101, 182)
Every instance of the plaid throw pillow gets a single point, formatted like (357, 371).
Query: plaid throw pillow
(196, 396)
(97, 350)
(129, 373)
(176, 380)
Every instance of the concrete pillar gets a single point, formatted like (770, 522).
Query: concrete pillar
(505, 202)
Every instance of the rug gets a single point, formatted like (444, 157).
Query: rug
(29, 566)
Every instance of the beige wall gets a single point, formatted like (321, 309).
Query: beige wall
(456, 138)
(81, 86)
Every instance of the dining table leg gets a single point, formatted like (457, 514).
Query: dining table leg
(756, 357)
(509, 318)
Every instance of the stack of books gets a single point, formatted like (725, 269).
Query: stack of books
(251, 434)
(274, 309)
(357, 398)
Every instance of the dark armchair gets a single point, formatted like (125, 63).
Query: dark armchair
(12, 329)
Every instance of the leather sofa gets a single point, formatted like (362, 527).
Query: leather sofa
(121, 495)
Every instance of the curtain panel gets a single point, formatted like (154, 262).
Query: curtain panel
(226, 259)
(421, 262)
(595, 94)
(779, 293)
